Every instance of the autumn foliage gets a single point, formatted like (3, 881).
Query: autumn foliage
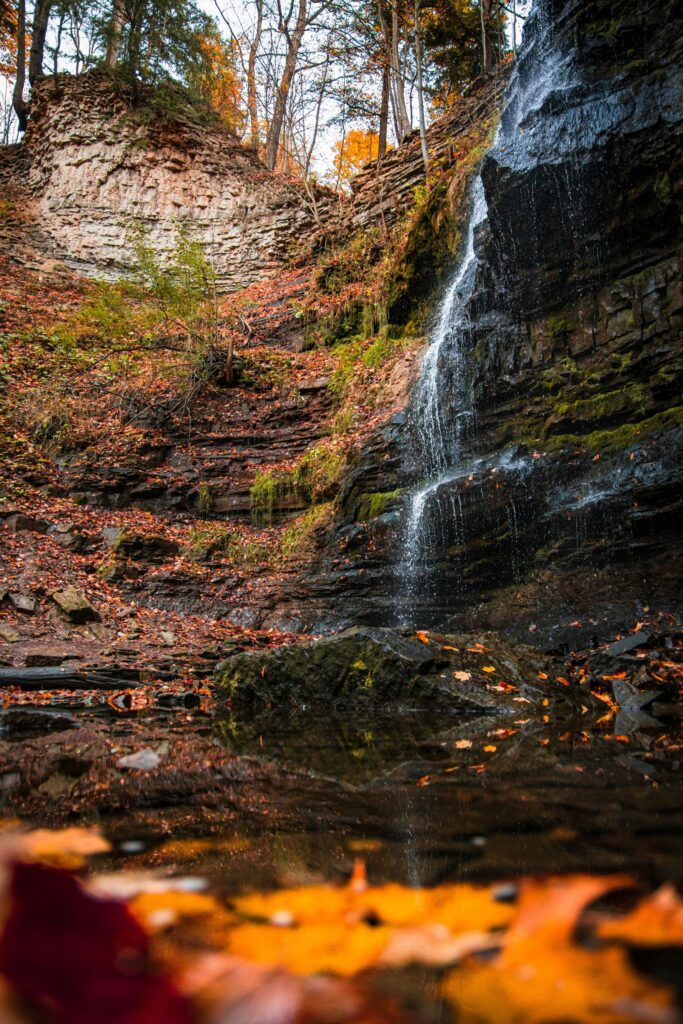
(353, 152)
(158, 953)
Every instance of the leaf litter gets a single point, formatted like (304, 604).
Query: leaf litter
(153, 949)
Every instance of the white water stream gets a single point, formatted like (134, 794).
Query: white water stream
(443, 407)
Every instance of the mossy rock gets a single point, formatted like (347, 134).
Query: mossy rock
(375, 503)
(393, 668)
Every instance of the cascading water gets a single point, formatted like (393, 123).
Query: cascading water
(438, 449)
(443, 408)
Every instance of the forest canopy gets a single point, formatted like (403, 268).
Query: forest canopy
(316, 86)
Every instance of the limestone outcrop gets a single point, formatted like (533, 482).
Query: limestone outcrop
(93, 168)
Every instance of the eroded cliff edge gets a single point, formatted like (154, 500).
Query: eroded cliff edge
(92, 166)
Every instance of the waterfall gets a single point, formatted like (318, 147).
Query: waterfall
(443, 408)
(437, 446)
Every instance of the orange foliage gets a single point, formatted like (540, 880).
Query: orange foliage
(545, 958)
(8, 42)
(216, 80)
(353, 152)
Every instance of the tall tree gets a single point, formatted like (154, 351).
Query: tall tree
(294, 39)
(41, 18)
(252, 89)
(420, 87)
(116, 22)
(19, 103)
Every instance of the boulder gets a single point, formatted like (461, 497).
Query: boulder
(45, 659)
(141, 547)
(18, 522)
(371, 667)
(75, 606)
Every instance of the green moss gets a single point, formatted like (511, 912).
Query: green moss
(314, 478)
(379, 352)
(633, 397)
(204, 498)
(663, 189)
(210, 539)
(343, 421)
(619, 438)
(267, 489)
(607, 28)
(560, 326)
(318, 472)
(668, 374)
(299, 539)
(340, 381)
(373, 504)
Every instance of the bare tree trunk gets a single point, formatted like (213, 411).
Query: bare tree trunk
(252, 103)
(488, 54)
(18, 102)
(384, 112)
(275, 129)
(390, 33)
(402, 118)
(114, 34)
(420, 89)
(58, 43)
(41, 17)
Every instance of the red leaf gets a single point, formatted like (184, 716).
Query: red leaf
(84, 960)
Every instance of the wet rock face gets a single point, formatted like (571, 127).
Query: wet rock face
(581, 188)
(94, 170)
(565, 499)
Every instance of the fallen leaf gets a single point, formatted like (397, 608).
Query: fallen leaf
(80, 958)
(657, 921)
(67, 847)
(541, 975)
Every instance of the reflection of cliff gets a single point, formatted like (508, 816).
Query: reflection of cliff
(92, 168)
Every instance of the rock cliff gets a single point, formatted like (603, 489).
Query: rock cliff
(562, 504)
(92, 167)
